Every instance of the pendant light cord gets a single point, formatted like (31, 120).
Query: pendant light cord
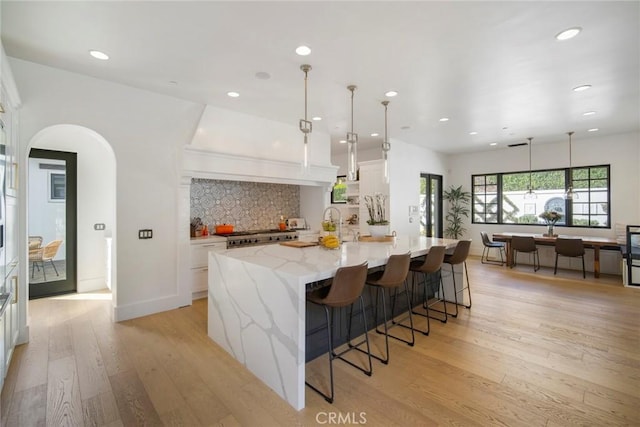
(530, 139)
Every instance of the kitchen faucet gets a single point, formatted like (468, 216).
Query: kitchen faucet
(331, 219)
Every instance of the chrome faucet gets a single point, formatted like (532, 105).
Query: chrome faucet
(331, 219)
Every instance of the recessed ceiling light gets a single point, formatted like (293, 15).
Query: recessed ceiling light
(343, 141)
(303, 50)
(317, 118)
(581, 88)
(473, 133)
(233, 94)
(444, 119)
(593, 130)
(374, 134)
(405, 127)
(568, 34)
(505, 128)
(263, 75)
(493, 144)
(589, 113)
(99, 55)
(391, 93)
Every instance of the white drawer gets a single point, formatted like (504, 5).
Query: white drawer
(199, 279)
(199, 253)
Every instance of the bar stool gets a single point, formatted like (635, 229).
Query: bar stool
(393, 277)
(459, 256)
(346, 287)
(432, 265)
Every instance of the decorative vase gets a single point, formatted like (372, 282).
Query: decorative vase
(379, 230)
(549, 230)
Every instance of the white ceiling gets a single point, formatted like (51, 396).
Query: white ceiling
(491, 67)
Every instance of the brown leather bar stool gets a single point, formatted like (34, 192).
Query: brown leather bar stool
(459, 256)
(393, 277)
(525, 244)
(431, 268)
(570, 248)
(346, 287)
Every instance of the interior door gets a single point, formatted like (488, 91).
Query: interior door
(431, 205)
(52, 222)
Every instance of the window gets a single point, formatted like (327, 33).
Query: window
(498, 198)
(339, 191)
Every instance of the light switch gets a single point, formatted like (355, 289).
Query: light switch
(99, 226)
(145, 234)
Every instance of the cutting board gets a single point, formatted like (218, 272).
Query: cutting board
(299, 244)
(376, 239)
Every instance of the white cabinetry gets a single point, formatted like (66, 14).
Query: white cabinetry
(371, 183)
(199, 271)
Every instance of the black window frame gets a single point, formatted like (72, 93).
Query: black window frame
(570, 173)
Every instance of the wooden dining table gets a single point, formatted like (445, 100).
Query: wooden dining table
(589, 241)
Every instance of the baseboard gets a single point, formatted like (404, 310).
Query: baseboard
(198, 295)
(145, 308)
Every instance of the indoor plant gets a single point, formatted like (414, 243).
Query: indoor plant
(458, 208)
(376, 206)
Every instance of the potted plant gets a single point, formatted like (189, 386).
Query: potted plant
(376, 206)
(458, 200)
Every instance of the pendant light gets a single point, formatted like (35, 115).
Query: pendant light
(530, 195)
(305, 125)
(386, 146)
(352, 148)
(570, 194)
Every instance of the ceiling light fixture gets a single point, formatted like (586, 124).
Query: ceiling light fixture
(493, 144)
(444, 119)
(589, 113)
(303, 50)
(570, 194)
(343, 141)
(233, 94)
(473, 133)
(391, 93)
(316, 118)
(99, 55)
(375, 134)
(568, 33)
(386, 146)
(581, 88)
(305, 125)
(593, 130)
(352, 145)
(530, 195)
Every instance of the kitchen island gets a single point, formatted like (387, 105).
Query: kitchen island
(256, 308)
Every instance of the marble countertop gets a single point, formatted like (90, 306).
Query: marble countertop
(315, 263)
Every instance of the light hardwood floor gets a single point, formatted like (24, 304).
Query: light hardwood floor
(534, 350)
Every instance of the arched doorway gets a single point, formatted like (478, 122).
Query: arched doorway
(96, 203)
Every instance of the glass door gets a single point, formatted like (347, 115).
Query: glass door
(431, 205)
(52, 223)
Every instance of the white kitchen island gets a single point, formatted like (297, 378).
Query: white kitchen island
(257, 303)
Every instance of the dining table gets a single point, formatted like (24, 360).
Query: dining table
(595, 242)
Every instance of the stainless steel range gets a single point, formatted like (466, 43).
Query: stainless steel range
(240, 239)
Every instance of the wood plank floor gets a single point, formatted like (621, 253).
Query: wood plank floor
(534, 350)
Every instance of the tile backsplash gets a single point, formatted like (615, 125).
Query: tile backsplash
(246, 205)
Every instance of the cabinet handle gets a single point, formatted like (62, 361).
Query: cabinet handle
(14, 281)
(213, 245)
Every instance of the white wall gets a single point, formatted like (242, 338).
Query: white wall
(620, 151)
(146, 132)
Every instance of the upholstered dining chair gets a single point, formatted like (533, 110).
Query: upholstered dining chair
(572, 248)
(525, 244)
(488, 245)
(345, 289)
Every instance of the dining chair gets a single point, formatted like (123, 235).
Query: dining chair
(345, 289)
(571, 248)
(488, 245)
(525, 244)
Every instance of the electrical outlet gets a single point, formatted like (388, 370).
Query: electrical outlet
(99, 226)
(145, 234)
